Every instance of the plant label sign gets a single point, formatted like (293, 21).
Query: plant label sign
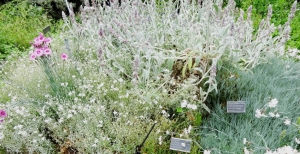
(46, 30)
(182, 145)
(236, 107)
(67, 44)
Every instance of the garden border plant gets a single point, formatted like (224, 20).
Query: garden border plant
(129, 66)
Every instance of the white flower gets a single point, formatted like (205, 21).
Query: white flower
(1, 135)
(297, 141)
(287, 122)
(100, 124)
(206, 152)
(244, 141)
(189, 129)
(160, 140)
(277, 115)
(115, 112)
(18, 127)
(61, 120)
(258, 114)
(184, 103)
(271, 114)
(273, 103)
(286, 150)
(120, 80)
(47, 120)
(246, 151)
(167, 132)
(94, 145)
(69, 115)
(192, 106)
(23, 133)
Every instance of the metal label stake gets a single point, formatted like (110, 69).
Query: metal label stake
(139, 147)
(46, 30)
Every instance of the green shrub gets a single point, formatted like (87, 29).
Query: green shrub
(281, 9)
(54, 8)
(19, 24)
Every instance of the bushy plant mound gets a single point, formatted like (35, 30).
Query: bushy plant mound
(271, 120)
(54, 8)
(101, 84)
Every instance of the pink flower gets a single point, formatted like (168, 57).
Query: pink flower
(47, 40)
(38, 52)
(3, 113)
(41, 37)
(47, 51)
(64, 56)
(32, 56)
(37, 42)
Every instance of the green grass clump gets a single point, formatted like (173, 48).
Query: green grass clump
(19, 24)
(223, 132)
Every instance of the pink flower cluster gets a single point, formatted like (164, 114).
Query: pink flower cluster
(3, 114)
(41, 47)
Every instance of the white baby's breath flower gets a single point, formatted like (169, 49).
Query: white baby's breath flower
(184, 103)
(18, 126)
(47, 120)
(84, 121)
(61, 120)
(297, 140)
(277, 115)
(100, 124)
(160, 140)
(273, 103)
(193, 107)
(69, 115)
(120, 80)
(1, 135)
(189, 129)
(287, 122)
(168, 132)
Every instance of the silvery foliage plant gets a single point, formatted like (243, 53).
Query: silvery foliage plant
(142, 41)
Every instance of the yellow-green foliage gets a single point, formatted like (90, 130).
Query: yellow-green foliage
(19, 24)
